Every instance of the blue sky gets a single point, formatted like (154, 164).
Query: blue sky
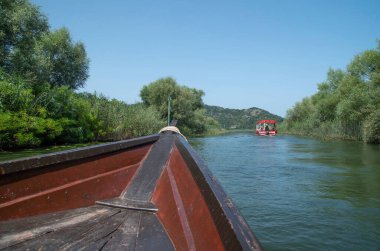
(267, 54)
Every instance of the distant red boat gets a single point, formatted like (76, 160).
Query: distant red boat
(266, 127)
(148, 193)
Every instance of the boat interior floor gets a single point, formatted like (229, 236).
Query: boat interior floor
(98, 227)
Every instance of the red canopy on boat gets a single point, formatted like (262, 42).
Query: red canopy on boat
(267, 121)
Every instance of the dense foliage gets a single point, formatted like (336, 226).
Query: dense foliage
(347, 104)
(239, 118)
(57, 115)
(30, 50)
(186, 105)
(39, 71)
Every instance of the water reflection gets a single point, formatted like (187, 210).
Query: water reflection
(352, 169)
(300, 193)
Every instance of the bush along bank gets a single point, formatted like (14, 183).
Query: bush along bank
(58, 115)
(346, 106)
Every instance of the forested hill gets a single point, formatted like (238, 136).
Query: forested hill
(239, 118)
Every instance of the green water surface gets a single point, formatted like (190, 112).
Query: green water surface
(300, 193)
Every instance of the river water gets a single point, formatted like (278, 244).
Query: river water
(299, 193)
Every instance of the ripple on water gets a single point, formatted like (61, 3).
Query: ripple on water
(300, 193)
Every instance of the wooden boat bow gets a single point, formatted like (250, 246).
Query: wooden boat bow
(148, 193)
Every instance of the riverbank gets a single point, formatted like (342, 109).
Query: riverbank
(23, 153)
(222, 132)
(29, 152)
(346, 105)
(327, 133)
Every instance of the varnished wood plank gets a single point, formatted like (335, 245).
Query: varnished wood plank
(168, 212)
(13, 186)
(143, 184)
(72, 195)
(28, 163)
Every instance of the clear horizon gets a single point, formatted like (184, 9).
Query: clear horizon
(242, 54)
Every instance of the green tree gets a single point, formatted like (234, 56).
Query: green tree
(186, 103)
(346, 104)
(141, 120)
(59, 61)
(366, 66)
(30, 50)
(21, 24)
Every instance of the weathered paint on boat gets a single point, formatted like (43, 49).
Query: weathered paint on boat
(149, 193)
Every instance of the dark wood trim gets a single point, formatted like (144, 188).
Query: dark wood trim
(129, 204)
(142, 186)
(232, 227)
(13, 166)
(152, 235)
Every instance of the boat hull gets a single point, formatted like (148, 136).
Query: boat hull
(148, 193)
(264, 133)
